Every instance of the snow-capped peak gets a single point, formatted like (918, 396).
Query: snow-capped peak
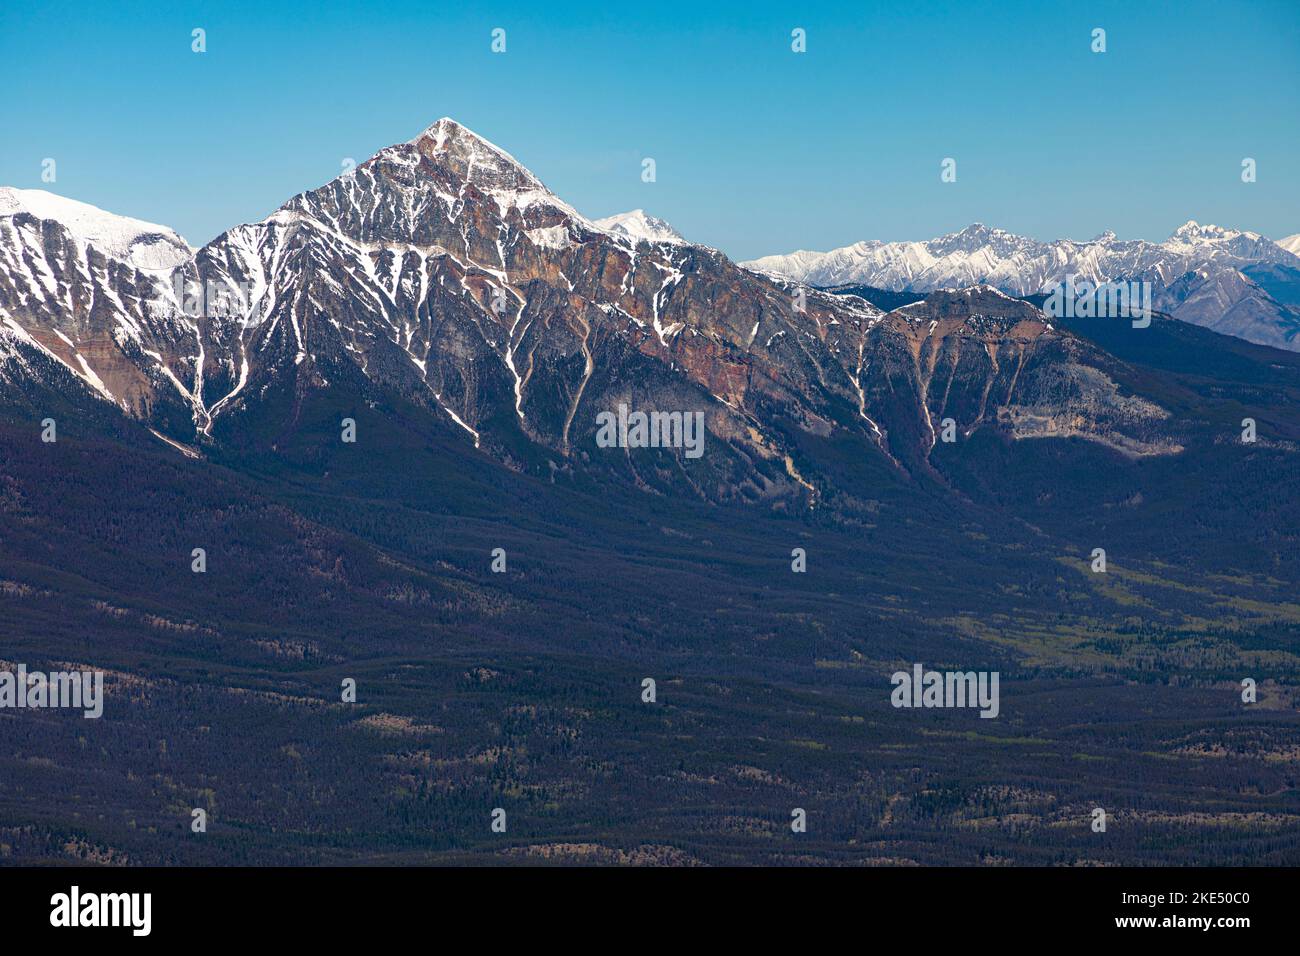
(144, 245)
(1291, 244)
(975, 231)
(637, 225)
(1194, 232)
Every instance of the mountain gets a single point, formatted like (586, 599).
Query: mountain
(82, 288)
(637, 225)
(443, 271)
(1291, 244)
(1200, 274)
(441, 274)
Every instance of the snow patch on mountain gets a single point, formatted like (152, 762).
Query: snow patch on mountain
(638, 226)
(144, 245)
(550, 237)
(1192, 233)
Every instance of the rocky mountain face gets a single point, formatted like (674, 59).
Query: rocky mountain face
(977, 359)
(1200, 274)
(441, 275)
(92, 292)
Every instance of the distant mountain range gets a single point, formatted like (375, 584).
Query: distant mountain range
(1235, 282)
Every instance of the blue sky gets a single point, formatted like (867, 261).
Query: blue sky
(758, 149)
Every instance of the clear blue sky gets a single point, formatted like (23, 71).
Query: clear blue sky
(758, 149)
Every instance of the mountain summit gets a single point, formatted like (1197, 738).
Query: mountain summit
(132, 241)
(637, 225)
